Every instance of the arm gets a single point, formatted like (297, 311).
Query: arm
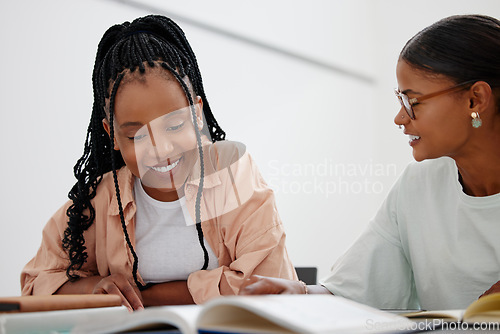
(113, 284)
(247, 233)
(261, 285)
(247, 251)
(495, 288)
(373, 271)
(46, 271)
(170, 293)
(45, 274)
(378, 286)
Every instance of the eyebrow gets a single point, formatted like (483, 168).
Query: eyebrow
(131, 124)
(406, 91)
(139, 124)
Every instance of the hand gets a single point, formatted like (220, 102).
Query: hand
(494, 288)
(117, 284)
(261, 285)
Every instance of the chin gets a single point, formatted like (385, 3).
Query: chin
(418, 156)
(421, 157)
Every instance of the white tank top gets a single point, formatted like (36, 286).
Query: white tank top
(167, 243)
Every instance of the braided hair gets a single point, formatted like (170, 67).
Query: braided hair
(154, 41)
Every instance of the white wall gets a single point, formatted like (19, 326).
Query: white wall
(297, 120)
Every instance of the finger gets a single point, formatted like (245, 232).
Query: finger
(112, 289)
(133, 295)
(138, 293)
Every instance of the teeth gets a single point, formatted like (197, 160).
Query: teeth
(165, 169)
(412, 138)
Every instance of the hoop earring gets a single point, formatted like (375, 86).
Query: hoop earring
(476, 120)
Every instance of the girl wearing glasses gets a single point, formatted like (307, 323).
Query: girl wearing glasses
(434, 242)
(164, 210)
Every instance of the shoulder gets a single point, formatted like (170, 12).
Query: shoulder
(105, 196)
(231, 166)
(223, 154)
(423, 178)
(106, 190)
(430, 179)
(124, 176)
(432, 170)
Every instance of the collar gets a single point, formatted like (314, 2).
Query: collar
(126, 184)
(211, 176)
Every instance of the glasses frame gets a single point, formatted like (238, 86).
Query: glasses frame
(403, 98)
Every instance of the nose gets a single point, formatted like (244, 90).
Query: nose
(162, 146)
(163, 149)
(402, 117)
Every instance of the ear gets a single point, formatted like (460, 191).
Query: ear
(199, 112)
(480, 97)
(105, 124)
(199, 106)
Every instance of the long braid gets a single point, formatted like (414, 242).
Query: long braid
(147, 41)
(202, 166)
(115, 177)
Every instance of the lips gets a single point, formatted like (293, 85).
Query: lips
(165, 168)
(413, 138)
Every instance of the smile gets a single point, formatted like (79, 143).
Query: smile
(165, 169)
(413, 138)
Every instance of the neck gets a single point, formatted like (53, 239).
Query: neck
(164, 195)
(478, 182)
(480, 167)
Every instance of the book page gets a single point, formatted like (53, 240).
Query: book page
(451, 315)
(55, 321)
(298, 313)
(182, 317)
(484, 309)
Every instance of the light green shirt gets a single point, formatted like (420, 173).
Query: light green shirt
(429, 245)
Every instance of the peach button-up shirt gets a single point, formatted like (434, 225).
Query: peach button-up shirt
(240, 222)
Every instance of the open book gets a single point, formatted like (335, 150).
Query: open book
(256, 314)
(485, 309)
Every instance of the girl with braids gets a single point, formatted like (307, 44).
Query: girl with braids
(164, 210)
(434, 242)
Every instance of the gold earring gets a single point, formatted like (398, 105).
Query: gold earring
(476, 120)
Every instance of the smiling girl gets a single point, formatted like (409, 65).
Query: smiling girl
(164, 211)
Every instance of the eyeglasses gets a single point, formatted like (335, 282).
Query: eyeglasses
(408, 103)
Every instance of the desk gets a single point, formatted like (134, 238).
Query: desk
(54, 322)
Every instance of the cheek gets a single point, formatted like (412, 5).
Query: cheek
(448, 137)
(186, 141)
(129, 154)
(444, 119)
(189, 148)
